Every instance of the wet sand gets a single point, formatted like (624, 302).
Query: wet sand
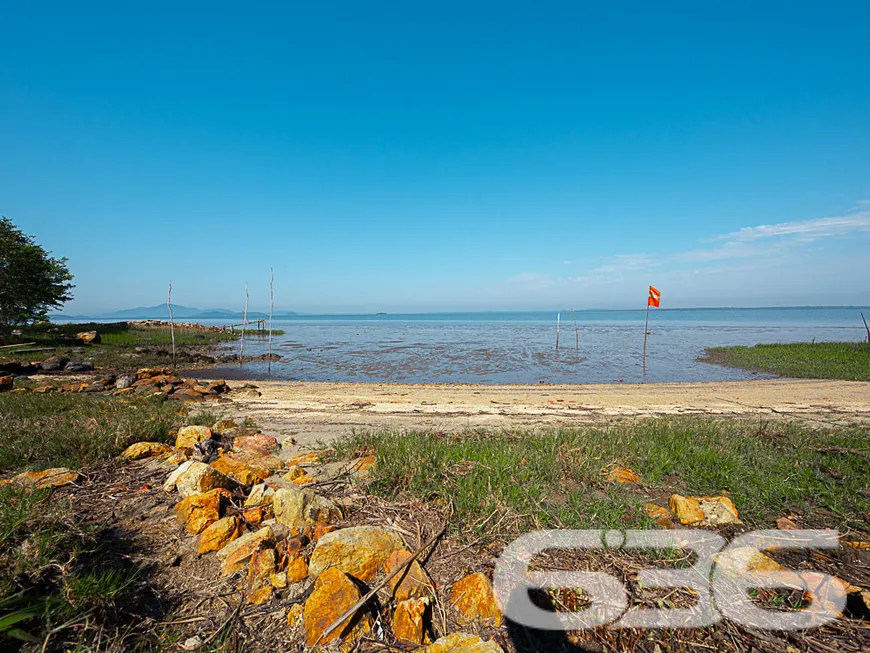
(308, 411)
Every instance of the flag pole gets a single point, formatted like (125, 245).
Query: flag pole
(645, 332)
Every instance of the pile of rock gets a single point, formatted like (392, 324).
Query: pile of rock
(53, 364)
(266, 526)
(148, 381)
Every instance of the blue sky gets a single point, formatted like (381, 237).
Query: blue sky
(405, 156)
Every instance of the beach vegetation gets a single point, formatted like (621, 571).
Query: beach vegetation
(849, 361)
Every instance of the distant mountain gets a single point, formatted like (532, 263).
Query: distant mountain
(161, 312)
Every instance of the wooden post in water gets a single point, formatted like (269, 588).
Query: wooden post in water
(271, 310)
(558, 320)
(244, 323)
(576, 330)
(171, 322)
(645, 333)
(868, 330)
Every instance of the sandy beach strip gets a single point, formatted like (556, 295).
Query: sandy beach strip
(309, 411)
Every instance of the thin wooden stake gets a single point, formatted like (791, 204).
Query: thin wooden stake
(271, 310)
(558, 320)
(171, 322)
(868, 330)
(576, 330)
(244, 324)
(645, 333)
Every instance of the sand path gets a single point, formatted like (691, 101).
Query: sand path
(309, 412)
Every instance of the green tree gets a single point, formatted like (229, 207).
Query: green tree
(31, 281)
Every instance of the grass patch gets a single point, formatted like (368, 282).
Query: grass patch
(849, 361)
(64, 430)
(515, 481)
(58, 563)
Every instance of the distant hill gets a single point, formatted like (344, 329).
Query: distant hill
(161, 312)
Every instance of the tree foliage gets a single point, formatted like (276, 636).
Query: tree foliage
(31, 280)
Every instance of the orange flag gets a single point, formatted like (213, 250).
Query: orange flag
(655, 297)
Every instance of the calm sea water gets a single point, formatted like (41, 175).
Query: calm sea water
(520, 347)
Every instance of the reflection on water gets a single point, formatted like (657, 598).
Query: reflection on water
(418, 350)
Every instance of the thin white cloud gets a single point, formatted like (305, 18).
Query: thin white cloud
(804, 230)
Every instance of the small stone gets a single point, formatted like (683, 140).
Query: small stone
(661, 516)
(412, 582)
(125, 381)
(258, 443)
(53, 364)
(744, 558)
(6, 383)
(191, 435)
(256, 516)
(298, 508)
(245, 472)
(80, 366)
(334, 593)
(259, 495)
(310, 458)
(146, 450)
(294, 615)
(293, 473)
(359, 551)
(89, 337)
(198, 511)
(461, 643)
(199, 477)
(278, 579)
(623, 475)
(297, 569)
(261, 595)
(234, 556)
(224, 426)
(409, 620)
(264, 562)
(220, 534)
(474, 599)
(703, 511)
(54, 477)
(304, 480)
(192, 643)
(363, 467)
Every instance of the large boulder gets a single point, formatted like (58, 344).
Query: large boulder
(359, 551)
(298, 508)
(199, 477)
(334, 593)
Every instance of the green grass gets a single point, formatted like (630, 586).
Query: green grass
(849, 361)
(554, 478)
(64, 430)
(58, 563)
(55, 567)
